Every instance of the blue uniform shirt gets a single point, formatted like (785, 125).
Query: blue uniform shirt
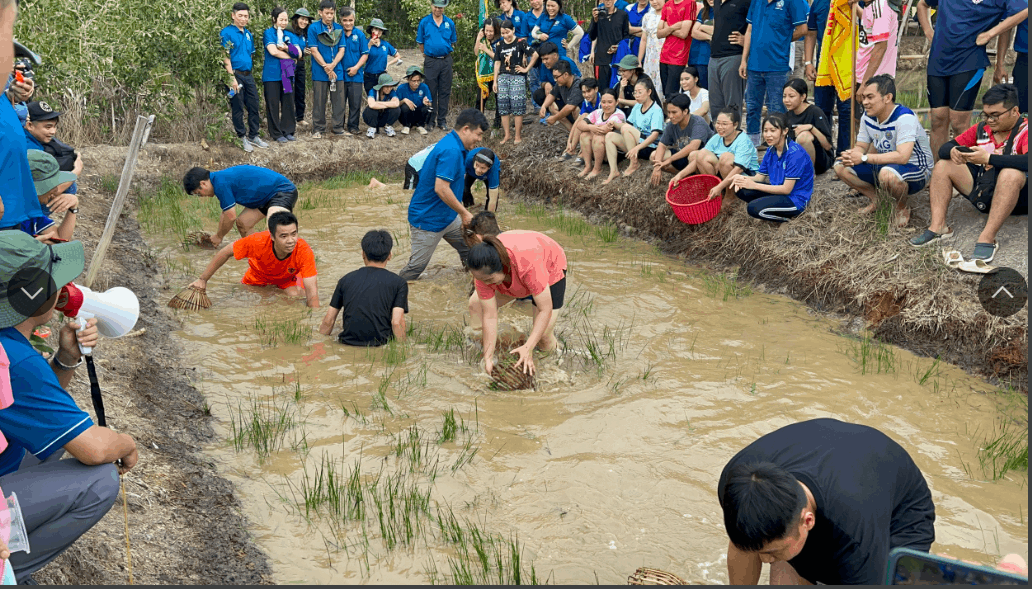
(437, 41)
(376, 95)
(699, 53)
(817, 20)
(634, 19)
(772, 25)
(271, 71)
(1021, 38)
(249, 186)
(519, 22)
(32, 143)
(545, 74)
(377, 62)
(355, 46)
(327, 52)
(795, 165)
(557, 28)
(416, 96)
(240, 45)
(491, 178)
(43, 417)
(447, 161)
(589, 107)
(17, 191)
(957, 25)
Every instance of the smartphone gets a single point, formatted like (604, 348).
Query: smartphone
(965, 149)
(57, 240)
(910, 567)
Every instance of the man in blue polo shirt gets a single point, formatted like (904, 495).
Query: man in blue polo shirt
(957, 62)
(543, 62)
(356, 53)
(239, 44)
(326, 45)
(61, 499)
(773, 26)
(261, 191)
(436, 37)
(434, 211)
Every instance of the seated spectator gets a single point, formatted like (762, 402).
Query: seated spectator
(40, 133)
(382, 107)
(374, 299)
(482, 164)
(261, 191)
(699, 96)
(61, 499)
(52, 189)
(565, 98)
(988, 164)
(416, 102)
(639, 135)
(783, 186)
(510, 69)
(891, 153)
(630, 74)
(810, 128)
(589, 91)
(545, 59)
(727, 154)
(594, 128)
(685, 134)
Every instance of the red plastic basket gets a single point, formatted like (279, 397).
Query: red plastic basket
(688, 199)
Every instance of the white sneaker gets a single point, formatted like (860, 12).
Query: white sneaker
(404, 130)
(371, 132)
(389, 130)
(258, 142)
(422, 130)
(248, 148)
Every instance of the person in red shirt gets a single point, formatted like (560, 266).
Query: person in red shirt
(978, 164)
(277, 257)
(675, 29)
(524, 265)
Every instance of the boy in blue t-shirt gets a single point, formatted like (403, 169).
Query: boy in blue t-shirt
(416, 101)
(356, 53)
(382, 107)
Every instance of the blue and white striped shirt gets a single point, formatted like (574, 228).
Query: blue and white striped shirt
(902, 126)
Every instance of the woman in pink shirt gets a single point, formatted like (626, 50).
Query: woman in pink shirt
(524, 265)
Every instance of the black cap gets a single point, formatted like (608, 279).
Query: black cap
(41, 111)
(23, 51)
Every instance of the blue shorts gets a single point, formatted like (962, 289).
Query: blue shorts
(915, 177)
(37, 225)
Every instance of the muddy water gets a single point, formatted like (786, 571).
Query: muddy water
(600, 470)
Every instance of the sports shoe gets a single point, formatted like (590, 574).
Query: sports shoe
(281, 139)
(579, 161)
(248, 148)
(317, 135)
(389, 130)
(404, 130)
(291, 138)
(371, 132)
(422, 130)
(259, 142)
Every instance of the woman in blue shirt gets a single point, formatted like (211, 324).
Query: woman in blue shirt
(555, 25)
(635, 14)
(510, 11)
(282, 48)
(639, 136)
(379, 52)
(783, 186)
(299, 26)
(382, 106)
(702, 34)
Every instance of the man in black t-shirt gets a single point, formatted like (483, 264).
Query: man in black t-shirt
(726, 87)
(608, 27)
(373, 298)
(822, 501)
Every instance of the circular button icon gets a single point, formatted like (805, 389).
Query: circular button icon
(1003, 293)
(28, 289)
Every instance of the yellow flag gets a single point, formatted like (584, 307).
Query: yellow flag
(836, 60)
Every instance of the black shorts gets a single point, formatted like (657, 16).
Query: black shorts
(680, 164)
(558, 291)
(1019, 209)
(287, 200)
(822, 160)
(958, 91)
(411, 177)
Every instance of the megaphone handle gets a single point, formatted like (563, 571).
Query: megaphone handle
(84, 317)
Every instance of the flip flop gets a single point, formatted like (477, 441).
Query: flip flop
(952, 258)
(977, 267)
(985, 252)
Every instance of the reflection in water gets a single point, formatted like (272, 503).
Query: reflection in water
(611, 464)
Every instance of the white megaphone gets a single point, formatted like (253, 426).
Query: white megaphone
(115, 309)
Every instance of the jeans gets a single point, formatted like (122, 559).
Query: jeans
(726, 87)
(439, 75)
(320, 93)
(245, 98)
(425, 242)
(763, 88)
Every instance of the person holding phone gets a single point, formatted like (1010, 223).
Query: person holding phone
(609, 26)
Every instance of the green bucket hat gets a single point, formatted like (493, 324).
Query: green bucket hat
(375, 24)
(301, 12)
(629, 62)
(385, 79)
(32, 272)
(412, 70)
(439, 3)
(331, 37)
(46, 173)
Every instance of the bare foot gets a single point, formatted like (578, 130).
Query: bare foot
(584, 172)
(593, 174)
(612, 176)
(504, 140)
(902, 216)
(517, 141)
(631, 168)
(873, 206)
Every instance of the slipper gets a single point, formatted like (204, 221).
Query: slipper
(929, 237)
(985, 252)
(952, 258)
(977, 267)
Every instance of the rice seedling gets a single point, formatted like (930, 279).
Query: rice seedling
(872, 356)
(170, 211)
(109, 183)
(1004, 450)
(466, 454)
(262, 425)
(273, 330)
(480, 558)
(724, 286)
(411, 444)
(608, 233)
(449, 428)
(647, 371)
(353, 412)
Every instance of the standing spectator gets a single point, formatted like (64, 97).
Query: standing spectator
(635, 15)
(239, 44)
(436, 37)
(1020, 71)
(608, 28)
(281, 49)
(511, 12)
(510, 85)
(810, 128)
(415, 100)
(958, 56)
(773, 26)
(730, 22)
(299, 23)
(326, 46)
(530, 22)
(555, 25)
(382, 107)
(783, 186)
(651, 45)
(816, 21)
(40, 133)
(685, 134)
(690, 86)
(675, 28)
(879, 28)
(702, 34)
(356, 53)
(380, 52)
(484, 49)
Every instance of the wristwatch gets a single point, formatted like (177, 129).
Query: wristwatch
(863, 158)
(74, 211)
(808, 63)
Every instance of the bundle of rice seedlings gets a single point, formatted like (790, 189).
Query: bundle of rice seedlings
(201, 239)
(191, 298)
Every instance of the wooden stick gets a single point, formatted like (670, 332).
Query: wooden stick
(904, 21)
(142, 127)
(125, 511)
(852, 76)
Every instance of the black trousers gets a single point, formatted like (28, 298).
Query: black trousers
(279, 110)
(369, 80)
(670, 77)
(300, 82)
(439, 74)
(414, 118)
(1020, 74)
(379, 118)
(467, 193)
(245, 98)
(604, 74)
(354, 100)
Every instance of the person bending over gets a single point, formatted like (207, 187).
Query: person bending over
(822, 501)
(727, 154)
(260, 191)
(685, 134)
(52, 187)
(277, 257)
(374, 299)
(40, 133)
(892, 150)
(784, 184)
(524, 265)
(810, 128)
(482, 164)
(989, 164)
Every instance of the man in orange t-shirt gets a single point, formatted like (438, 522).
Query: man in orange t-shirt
(277, 257)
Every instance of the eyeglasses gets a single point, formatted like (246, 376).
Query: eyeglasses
(993, 117)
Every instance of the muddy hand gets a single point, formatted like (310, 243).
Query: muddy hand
(199, 284)
(526, 360)
(488, 365)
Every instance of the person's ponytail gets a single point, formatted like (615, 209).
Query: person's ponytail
(488, 256)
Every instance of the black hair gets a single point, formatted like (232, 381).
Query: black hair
(238, 6)
(471, 117)
(377, 245)
(1005, 94)
(610, 91)
(681, 101)
(559, 2)
(762, 502)
(799, 85)
(778, 120)
(495, 24)
(498, 4)
(294, 26)
(547, 48)
(704, 14)
(276, 12)
(589, 84)
(886, 85)
(507, 24)
(488, 256)
(561, 67)
(280, 218)
(483, 223)
(485, 152)
(325, 4)
(734, 113)
(346, 11)
(192, 179)
(651, 87)
(691, 69)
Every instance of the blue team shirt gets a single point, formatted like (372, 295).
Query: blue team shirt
(437, 41)
(377, 62)
(519, 22)
(590, 107)
(355, 46)
(240, 45)
(271, 71)
(795, 165)
(416, 96)
(376, 95)
(957, 26)
(634, 19)
(248, 186)
(699, 53)
(447, 161)
(17, 190)
(557, 28)
(1021, 38)
(491, 178)
(772, 25)
(32, 143)
(529, 22)
(545, 74)
(327, 52)
(43, 418)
